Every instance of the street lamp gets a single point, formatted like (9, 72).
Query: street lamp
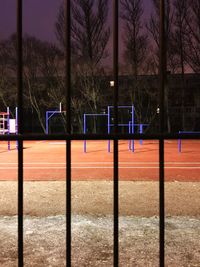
(112, 83)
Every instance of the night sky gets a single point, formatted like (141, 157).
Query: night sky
(39, 17)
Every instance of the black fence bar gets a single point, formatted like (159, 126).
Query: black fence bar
(115, 155)
(162, 71)
(20, 131)
(68, 125)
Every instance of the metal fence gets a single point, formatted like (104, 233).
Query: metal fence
(161, 136)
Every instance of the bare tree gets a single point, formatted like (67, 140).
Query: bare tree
(90, 35)
(89, 90)
(193, 40)
(7, 82)
(77, 108)
(179, 38)
(153, 28)
(40, 60)
(136, 55)
(135, 40)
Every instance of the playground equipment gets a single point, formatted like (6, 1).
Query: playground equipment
(140, 125)
(8, 125)
(130, 124)
(179, 140)
(50, 114)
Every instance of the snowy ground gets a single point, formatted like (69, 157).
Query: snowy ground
(92, 241)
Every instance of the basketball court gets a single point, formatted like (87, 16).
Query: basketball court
(45, 161)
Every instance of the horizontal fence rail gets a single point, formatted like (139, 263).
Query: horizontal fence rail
(118, 136)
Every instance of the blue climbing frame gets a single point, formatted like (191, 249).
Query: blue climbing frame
(141, 127)
(130, 125)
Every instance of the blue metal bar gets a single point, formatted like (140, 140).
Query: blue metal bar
(52, 113)
(129, 131)
(121, 106)
(47, 123)
(144, 124)
(141, 131)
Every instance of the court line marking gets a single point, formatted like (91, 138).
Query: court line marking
(100, 163)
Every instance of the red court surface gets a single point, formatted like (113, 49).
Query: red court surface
(45, 160)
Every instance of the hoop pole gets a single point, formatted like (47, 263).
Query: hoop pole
(49, 114)
(179, 143)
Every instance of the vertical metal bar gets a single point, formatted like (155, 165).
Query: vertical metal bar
(108, 127)
(47, 122)
(8, 125)
(141, 131)
(16, 124)
(161, 141)
(68, 122)
(129, 131)
(132, 126)
(116, 182)
(20, 131)
(179, 143)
